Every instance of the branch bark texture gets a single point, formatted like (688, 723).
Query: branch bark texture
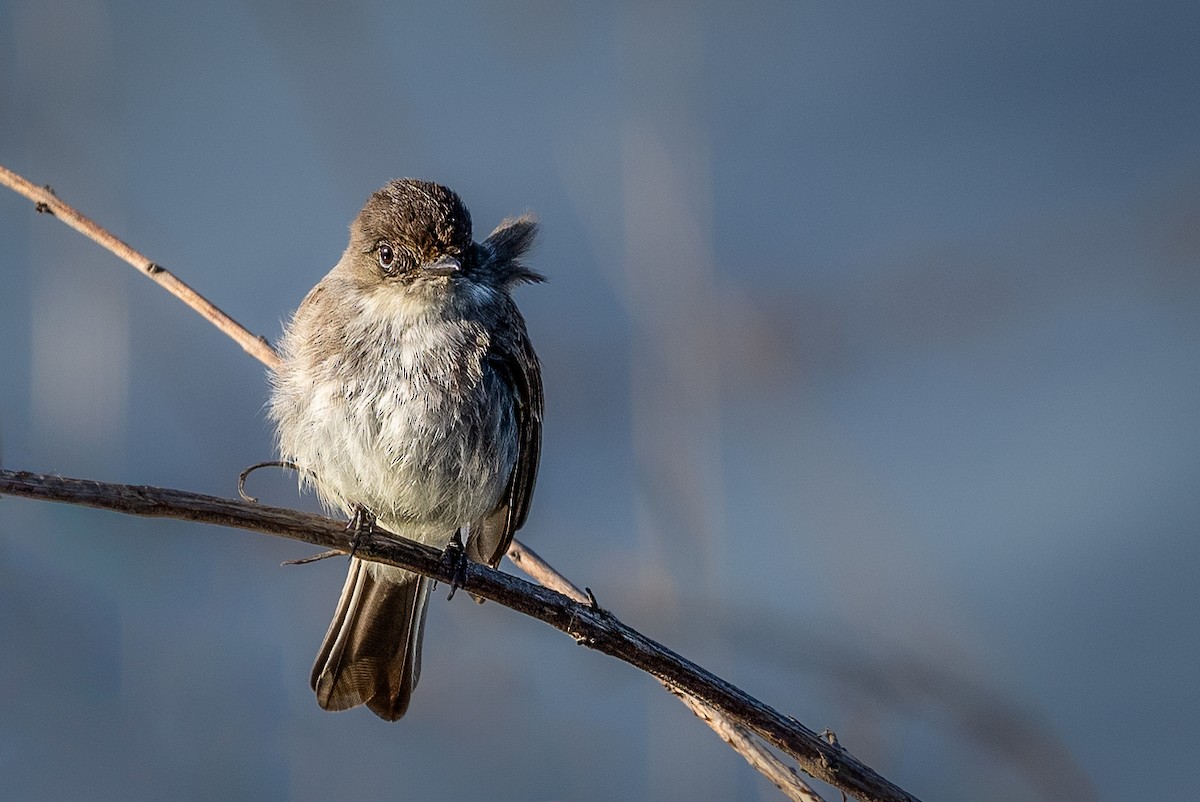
(589, 625)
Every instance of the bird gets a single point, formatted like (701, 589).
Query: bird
(409, 395)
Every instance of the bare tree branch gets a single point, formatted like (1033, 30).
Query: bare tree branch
(732, 731)
(741, 740)
(47, 202)
(588, 624)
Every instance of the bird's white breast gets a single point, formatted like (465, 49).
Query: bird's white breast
(400, 413)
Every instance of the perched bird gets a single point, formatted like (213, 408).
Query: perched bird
(409, 393)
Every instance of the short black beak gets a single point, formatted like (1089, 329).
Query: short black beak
(445, 266)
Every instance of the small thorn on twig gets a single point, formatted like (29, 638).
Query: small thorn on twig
(272, 464)
(830, 736)
(325, 555)
(43, 208)
(595, 605)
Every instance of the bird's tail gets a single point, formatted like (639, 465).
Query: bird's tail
(372, 651)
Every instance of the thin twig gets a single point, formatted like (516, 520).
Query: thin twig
(274, 463)
(751, 747)
(588, 624)
(738, 737)
(528, 561)
(325, 555)
(47, 202)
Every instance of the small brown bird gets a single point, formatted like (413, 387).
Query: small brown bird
(409, 392)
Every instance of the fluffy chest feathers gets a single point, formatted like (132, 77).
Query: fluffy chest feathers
(397, 408)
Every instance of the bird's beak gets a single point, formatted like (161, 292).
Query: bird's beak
(445, 266)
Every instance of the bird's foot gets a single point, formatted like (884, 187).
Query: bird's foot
(454, 557)
(361, 526)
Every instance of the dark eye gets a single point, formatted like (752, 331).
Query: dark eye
(387, 257)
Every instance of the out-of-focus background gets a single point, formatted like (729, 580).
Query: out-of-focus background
(872, 362)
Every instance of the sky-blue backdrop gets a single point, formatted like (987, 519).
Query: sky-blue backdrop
(872, 361)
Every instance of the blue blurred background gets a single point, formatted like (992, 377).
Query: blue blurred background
(871, 354)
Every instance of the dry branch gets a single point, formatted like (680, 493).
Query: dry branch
(740, 739)
(46, 202)
(817, 758)
(588, 624)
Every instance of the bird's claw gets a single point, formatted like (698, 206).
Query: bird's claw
(361, 526)
(454, 557)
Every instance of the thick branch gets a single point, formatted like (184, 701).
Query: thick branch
(589, 625)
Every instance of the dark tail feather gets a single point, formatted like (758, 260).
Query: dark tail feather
(372, 651)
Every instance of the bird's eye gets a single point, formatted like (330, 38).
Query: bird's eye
(387, 258)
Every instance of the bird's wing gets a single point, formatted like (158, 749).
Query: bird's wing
(517, 365)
